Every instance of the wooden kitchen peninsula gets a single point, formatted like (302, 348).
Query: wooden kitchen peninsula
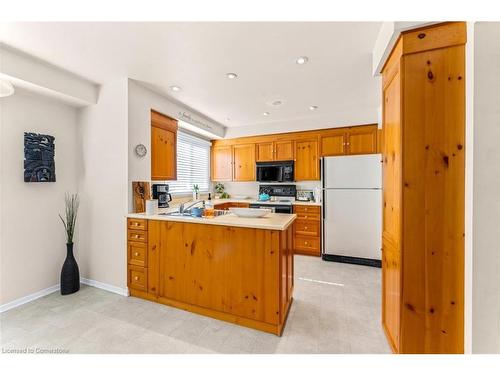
(234, 269)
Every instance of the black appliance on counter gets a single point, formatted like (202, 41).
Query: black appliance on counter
(276, 171)
(281, 200)
(160, 192)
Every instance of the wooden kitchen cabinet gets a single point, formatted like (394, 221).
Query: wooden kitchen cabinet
(362, 140)
(264, 151)
(333, 142)
(305, 148)
(354, 140)
(222, 163)
(306, 230)
(423, 219)
(275, 151)
(244, 162)
(283, 150)
(306, 160)
(163, 147)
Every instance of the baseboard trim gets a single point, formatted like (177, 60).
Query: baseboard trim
(31, 297)
(104, 286)
(353, 260)
(54, 288)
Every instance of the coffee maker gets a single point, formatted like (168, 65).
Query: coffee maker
(160, 192)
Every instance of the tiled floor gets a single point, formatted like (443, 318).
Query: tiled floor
(336, 309)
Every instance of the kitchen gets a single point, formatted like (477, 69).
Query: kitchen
(272, 223)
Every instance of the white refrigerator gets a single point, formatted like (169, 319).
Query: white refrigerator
(352, 208)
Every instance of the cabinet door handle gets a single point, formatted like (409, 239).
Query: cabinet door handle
(136, 224)
(136, 254)
(305, 228)
(306, 243)
(305, 217)
(136, 278)
(136, 236)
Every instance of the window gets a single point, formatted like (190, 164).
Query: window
(193, 164)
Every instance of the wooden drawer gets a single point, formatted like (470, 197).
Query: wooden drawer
(137, 254)
(307, 209)
(137, 235)
(307, 243)
(137, 277)
(307, 228)
(308, 216)
(138, 224)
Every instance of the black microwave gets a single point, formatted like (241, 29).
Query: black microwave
(278, 171)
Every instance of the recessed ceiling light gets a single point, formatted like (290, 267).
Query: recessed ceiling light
(228, 119)
(175, 88)
(231, 75)
(277, 102)
(301, 60)
(266, 113)
(313, 107)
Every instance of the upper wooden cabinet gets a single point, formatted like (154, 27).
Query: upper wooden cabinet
(222, 163)
(362, 140)
(264, 151)
(163, 147)
(307, 160)
(334, 142)
(349, 141)
(234, 159)
(271, 151)
(244, 162)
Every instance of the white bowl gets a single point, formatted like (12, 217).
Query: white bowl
(250, 212)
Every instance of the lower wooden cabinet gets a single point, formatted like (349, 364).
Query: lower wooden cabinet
(137, 277)
(239, 275)
(225, 206)
(307, 230)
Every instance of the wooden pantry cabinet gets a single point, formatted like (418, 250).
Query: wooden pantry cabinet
(423, 191)
(163, 147)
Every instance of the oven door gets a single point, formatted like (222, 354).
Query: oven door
(283, 209)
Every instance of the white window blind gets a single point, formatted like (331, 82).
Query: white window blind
(193, 164)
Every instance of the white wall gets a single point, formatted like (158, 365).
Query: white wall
(102, 181)
(140, 102)
(486, 190)
(355, 115)
(32, 238)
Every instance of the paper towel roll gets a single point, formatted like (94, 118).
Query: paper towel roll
(151, 206)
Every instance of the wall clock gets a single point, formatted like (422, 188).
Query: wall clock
(141, 150)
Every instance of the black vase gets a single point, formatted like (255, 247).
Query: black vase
(70, 274)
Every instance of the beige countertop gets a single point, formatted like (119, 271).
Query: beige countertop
(271, 221)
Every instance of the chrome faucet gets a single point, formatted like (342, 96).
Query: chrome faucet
(182, 208)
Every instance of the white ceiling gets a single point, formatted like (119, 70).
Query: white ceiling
(197, 56)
